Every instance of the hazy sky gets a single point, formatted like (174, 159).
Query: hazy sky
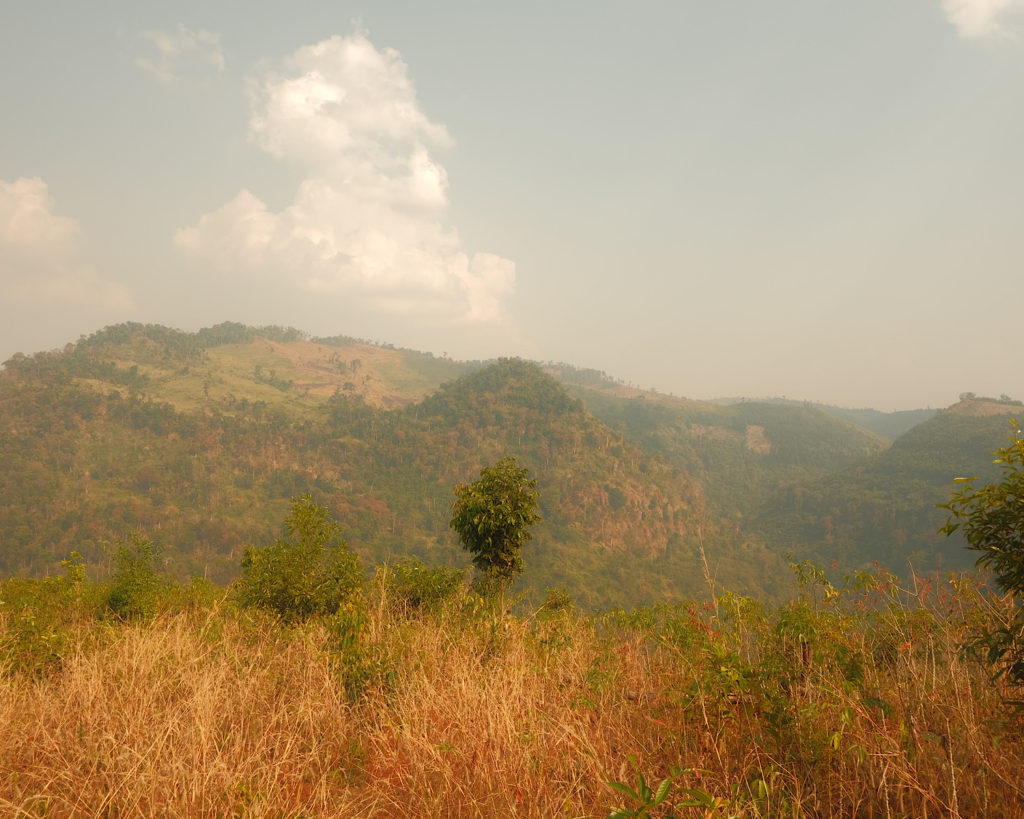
(809, 198)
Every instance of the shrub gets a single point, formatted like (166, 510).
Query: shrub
(423, 588)
(308, 572)
(38, 618)
(137, 586)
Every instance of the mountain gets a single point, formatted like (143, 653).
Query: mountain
(810, 480)
(890, 425)
(740, 452)
(884, 508)
(887, 424)
(200, 440)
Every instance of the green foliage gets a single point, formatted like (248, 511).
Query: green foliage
(645, 800)
(38, 618)
(138, 584)
(308, 572)
(199, 594)
(74, 570)
(492, 517)
(991, 518)
(359, 663)
(423, 588)
(557, 603)
(648, 802)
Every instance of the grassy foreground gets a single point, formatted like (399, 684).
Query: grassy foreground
(853, 701)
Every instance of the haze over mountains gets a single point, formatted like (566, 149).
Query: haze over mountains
(200, 440)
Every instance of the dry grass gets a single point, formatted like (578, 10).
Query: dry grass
(214, 713)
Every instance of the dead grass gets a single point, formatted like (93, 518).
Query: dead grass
(214, 713)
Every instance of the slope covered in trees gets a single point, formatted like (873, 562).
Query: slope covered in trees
(804, 480)
(200, 440)
(144, 428)
(884, 508)
(740, 451)
(889, 425)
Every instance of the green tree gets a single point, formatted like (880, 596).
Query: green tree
(991, 518)
(492, 517)
(309, 571)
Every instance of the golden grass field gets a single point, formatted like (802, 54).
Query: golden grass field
(850, 703)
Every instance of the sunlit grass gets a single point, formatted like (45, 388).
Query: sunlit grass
(859, 703)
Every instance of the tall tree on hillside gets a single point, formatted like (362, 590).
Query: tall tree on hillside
(492, 517)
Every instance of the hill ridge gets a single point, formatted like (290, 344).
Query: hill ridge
(202, 438)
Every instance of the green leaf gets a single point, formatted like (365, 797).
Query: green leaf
(698, 798)
(625, 790)
(645, 792)
(662, 791)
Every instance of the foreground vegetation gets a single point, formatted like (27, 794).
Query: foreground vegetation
(137, 696)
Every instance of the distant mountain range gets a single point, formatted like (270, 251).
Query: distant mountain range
(199, 441)
(890, 425)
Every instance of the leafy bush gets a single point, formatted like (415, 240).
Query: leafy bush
(308, 572)
(360, 663)
(37, 617)
(423, 588)
(138, 585)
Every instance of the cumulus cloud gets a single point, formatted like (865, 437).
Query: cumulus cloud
(39, 251)
(179, 45)
(981, 18)
(368, 215)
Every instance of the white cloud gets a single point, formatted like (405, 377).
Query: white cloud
(981, 18)
(181, 43)
(368, 217)
(27, 223)
(39, 253)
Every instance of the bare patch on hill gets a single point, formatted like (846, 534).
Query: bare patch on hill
(715, 433)
(757, 441)
(982, 407)
(356, 369)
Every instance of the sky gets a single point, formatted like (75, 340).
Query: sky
(814, 199)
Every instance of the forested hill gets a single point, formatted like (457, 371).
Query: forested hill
(890, 425)
(805, 482)
(742, 451)
(884, 507)
(200, 440)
